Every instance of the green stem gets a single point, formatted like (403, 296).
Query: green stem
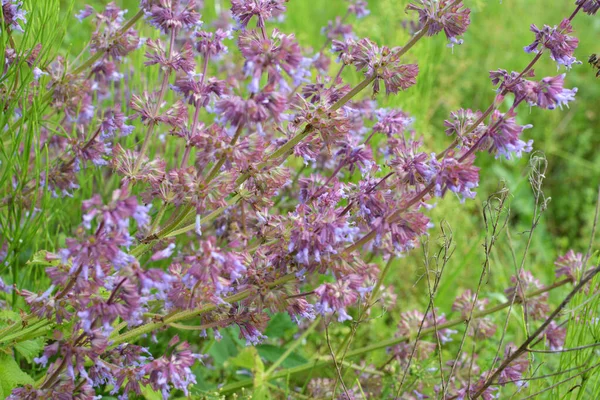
(293, 347)
(387, 343)
(189, 314)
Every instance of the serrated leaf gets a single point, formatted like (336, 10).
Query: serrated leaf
(8, 317)
(11, 375)
(30, 349)
(150, 393)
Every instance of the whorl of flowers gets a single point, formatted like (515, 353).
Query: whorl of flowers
(251, 182)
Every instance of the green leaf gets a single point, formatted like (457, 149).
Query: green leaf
(245, 359)
(261, 391)
(31, 348)
(272, 353)
(279, 324)
(150, 393)
(11, 375)
(7, 317)
(224, 349)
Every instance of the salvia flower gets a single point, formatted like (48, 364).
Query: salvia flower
(173, 370)
(467, 304)
(462, 124)
(337, 296)
(557, 41)
(12, 13)
(516, 370)
(505, 134)
(569, 265)
(392, 122)
(383, 64)
(458, 177)
(210, 44)
(280, 53)
(589, 6)
(535, 307)
(555, 336)
(173, 14)
(447, 15)
(182, 60)
(359, 8)
(244, 10)
(547, 93)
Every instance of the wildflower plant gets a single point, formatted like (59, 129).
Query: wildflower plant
(290, 191)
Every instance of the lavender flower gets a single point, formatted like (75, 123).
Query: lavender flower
(451, 17)
(336, 297)
(244, 10)
(569, 265)
(383, 64)
(557, 41)
(505, 133)
(12, 13)
(458, 177)
(167, 15)
(589, 6)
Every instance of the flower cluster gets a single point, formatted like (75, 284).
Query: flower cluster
(247, 181)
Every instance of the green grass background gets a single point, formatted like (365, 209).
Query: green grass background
(448, 80)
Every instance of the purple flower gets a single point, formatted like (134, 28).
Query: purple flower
(411, 164)
(316, 233)
(589, 6)
(570, 265)
(164, 253)
(243, 11)
(113, 121)
(251, 326)
(547, 93)
(392, 122)
(411, 321)
(173, 14)
(406, 230)
(461, 124)
(535, 307)
(199, 91)
(384, 64)
(85, 12)
(280, 53)
(337, 296)
(173, 370)
(479, 327)
(182, 60)
(551, 93)
(4, 287)
(515, 371)
(210, 44)
(442, 15)
(458, 177)
(238, 111)
(12, 13)
(300, 308)
(555, 336)
(505, 134)
(359, 8)
(557, 41)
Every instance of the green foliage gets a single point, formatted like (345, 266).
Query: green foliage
(11, 375)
